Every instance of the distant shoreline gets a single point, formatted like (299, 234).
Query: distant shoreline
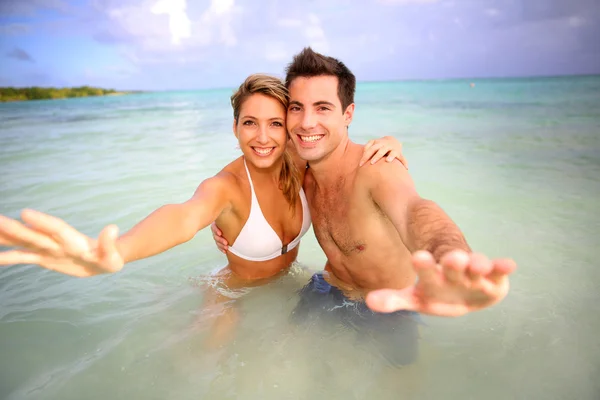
(11, 94)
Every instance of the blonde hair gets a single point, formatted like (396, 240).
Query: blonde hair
(289, 180)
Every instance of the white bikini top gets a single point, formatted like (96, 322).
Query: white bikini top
(257, 241)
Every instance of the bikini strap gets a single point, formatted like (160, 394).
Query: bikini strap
(249, 178)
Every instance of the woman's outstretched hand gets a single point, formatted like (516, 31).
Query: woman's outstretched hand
(53, 244)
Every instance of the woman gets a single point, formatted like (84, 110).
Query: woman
(257, 200)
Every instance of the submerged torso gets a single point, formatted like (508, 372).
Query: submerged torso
(273, 225)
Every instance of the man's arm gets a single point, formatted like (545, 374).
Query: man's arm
(430, 228)
(452, 280)
(422, 224)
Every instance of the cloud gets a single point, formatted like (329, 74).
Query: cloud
(219, 17)
(537, 10)
(132, 23)
(391, 2)
(14, 29)
(19, 54)
(162, 31)
(31, 7)
(315, 34)
(277, 51)
(492, 12)
(544, 46)
(303, 31)
(191, 43)
(576, 21)
(179, 23)
(289, 23)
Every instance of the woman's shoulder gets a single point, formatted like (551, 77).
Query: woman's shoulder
(231, 176)
(234, 170)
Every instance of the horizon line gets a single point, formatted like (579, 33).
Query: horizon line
(367, 81)
(404, 80)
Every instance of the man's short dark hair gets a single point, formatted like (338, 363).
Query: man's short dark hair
(309, 63)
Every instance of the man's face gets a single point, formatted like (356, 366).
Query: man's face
(315, 118)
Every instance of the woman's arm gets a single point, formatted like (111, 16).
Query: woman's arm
(174, 224)
(53, 244)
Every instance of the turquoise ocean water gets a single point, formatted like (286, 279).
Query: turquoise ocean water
(515, 162)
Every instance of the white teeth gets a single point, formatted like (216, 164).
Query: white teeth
(263, 151)
(312, 138)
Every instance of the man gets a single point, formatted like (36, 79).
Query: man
(387, 248)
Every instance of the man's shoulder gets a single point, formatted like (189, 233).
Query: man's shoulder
(382, 172)
(387, 183)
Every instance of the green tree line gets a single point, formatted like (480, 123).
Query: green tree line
(47, 93)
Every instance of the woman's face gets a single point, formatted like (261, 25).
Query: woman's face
(260, 130)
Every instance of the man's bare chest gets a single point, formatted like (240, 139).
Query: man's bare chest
(337, 213)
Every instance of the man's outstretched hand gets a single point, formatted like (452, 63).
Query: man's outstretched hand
(461, 283)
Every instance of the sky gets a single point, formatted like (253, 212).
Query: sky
(195, 44)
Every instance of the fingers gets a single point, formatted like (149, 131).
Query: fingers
(108, 254)
(470, 270)
(395, 151)
(13, 257)
(14, 233)
(393, 154)
(222, 246)
(454, 264)
(501, 268)
(368, 152)
(380, 154)
(374, 152)
(424, 265)
(400, 158)
(5, 241)
(461, 268)
(387, 147)
(479, 266)
(71, 240)
(389, 300)
(44, 223)
(221, 242)
(107, 240)
(215, 230)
